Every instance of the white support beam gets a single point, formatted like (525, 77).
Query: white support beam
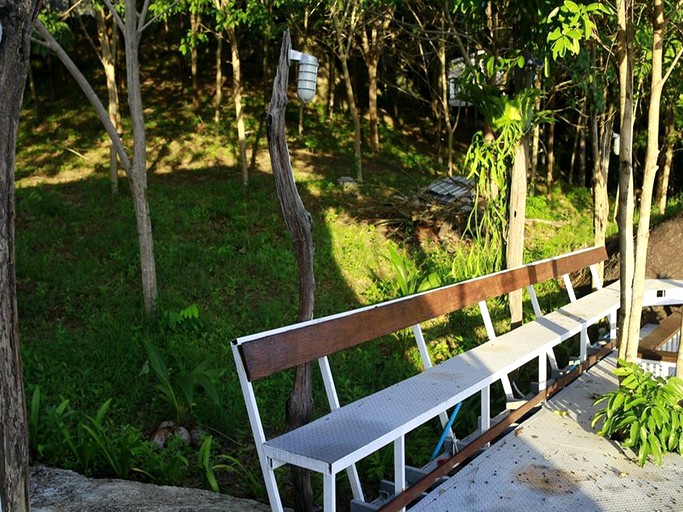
(570, 288)
(400, 466)
(485, 315)
(329, 493)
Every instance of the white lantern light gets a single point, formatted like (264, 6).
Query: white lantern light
(308, 74)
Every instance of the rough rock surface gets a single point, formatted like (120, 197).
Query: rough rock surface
(59, 490)
(663, 253)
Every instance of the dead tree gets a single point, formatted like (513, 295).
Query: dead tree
(300, 225)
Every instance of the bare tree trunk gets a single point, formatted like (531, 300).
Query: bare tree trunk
(218, 98)
(239, 113)
(651, 156)
(331, 85)
(138, 171)
(108, 39)
(355, 116)
(443, 72)
(625, 60)
(372, 103)
(15, 49)
(535, 143)
(581, 175)
(300, 225)
(669, 141)
(600, 196)
(551, 161)
(194, 61)
(515, 237)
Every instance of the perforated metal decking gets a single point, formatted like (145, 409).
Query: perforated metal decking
(554, 461)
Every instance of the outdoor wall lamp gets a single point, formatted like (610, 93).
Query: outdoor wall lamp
(308, 74)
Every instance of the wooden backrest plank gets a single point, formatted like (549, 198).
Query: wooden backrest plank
(666, 330)
(281, 349)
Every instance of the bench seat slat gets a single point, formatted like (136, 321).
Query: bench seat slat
(358, 429)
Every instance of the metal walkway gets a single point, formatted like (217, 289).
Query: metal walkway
(555, 461)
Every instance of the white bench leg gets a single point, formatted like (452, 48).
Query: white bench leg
(329, 493)
(542, 372)
(613, 326)
(400, 466)
(271, 488)
(485, 408)
(584, 343)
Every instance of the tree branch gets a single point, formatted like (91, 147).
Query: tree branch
(118, 19)
(53, 45)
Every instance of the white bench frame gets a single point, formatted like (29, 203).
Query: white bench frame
(547, 330)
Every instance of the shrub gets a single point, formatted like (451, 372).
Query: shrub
(645, 413)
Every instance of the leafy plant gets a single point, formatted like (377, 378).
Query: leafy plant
(178, 387)
(645, 412)
(185, 319)
(407, 278)
(229, 463)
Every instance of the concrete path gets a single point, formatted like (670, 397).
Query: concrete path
(554, 461)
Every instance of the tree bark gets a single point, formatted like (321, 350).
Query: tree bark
(16, 19)
(625, 217)
(651, 157)
(218, 98)
(194, 61)
(358, 164)
(551, 161)
(600, 196)
(138, 171)
(108, 39)
(344, 19)
(237, 98)
(515, 237)
(663, 180)
(300, 226)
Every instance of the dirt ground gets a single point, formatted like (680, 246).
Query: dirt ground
(664, 254)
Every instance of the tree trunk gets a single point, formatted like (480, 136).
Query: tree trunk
(651, 157)
(300, 226)
(443, 71)
(239, 113)
(625, 217)
(15, 49)
(355, 116)
(581, 175)
(373, 65)
(535, 143)
(600, 196)
(515, 237)
(138, 171)
(551, 161)
(108, 39)
(218, 98)
(194, 61)
(669, 141)
(331, 84)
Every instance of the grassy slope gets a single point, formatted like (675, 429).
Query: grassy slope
(219, 246)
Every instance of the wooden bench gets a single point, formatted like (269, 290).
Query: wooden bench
(336, 441)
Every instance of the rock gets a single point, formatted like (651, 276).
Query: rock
(60, 490)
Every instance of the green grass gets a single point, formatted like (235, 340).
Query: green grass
(224, 248)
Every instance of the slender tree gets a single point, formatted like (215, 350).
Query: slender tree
(629, 335)
(135, 167)
(16, 23)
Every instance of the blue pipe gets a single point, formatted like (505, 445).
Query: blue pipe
(446, 429)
